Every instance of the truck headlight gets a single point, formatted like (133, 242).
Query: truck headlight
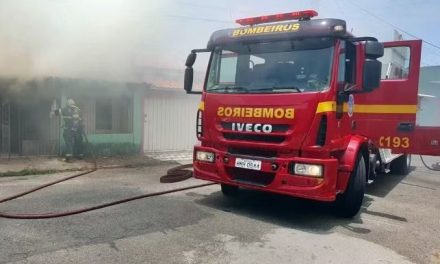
(308, 170)
(205, 156)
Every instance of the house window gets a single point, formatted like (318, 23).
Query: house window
(113, 115)
(103, 115)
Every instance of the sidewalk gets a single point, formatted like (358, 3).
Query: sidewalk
(182, 157)
(19, 166)
(28, 165)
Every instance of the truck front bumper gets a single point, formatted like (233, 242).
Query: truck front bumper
(275, 175)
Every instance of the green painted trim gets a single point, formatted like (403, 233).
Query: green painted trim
(134, 138)
(111, 138)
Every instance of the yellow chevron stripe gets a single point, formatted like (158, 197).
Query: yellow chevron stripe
(330, 106)
(324, 107)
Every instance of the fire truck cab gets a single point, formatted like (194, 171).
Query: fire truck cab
(300, 107)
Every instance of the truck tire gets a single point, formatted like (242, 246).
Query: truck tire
(349, 203)
(401, 165)
(229, 190)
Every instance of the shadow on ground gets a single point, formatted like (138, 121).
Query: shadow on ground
(384, 184)
(292, 212)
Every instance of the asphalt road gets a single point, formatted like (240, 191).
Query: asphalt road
(399, 223)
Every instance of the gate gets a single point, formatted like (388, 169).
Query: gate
(169, 121)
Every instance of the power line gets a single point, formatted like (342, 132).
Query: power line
(394, 26)
(340, 9)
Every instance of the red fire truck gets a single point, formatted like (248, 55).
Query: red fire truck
(301, 107)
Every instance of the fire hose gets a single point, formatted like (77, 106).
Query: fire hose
(176, 174)
(434, 167)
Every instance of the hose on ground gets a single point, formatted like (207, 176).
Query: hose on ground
(18, 195)
(176, 174)
(435, 167)
(96, 207)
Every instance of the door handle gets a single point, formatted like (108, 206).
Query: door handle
(406, 127)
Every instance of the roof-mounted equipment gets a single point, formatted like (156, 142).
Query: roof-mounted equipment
(298, 15)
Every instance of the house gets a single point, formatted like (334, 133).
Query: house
(118, 117)
(109, 111)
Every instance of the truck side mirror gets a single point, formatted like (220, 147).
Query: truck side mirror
(188, 81)
(191, 59)
(189, 72)
(371, 74)
(373, 49)
(372, 67)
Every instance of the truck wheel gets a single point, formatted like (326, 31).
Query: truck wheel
(401, 165)
(349, 203)
(229, 190)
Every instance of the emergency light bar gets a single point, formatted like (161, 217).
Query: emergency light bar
(300, 15)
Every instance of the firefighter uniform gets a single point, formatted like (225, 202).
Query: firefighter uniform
(73, 130)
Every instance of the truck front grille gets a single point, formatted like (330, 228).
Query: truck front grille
(253, 152)
(254, 138)
(253, 177)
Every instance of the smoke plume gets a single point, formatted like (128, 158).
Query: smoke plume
(98, 39)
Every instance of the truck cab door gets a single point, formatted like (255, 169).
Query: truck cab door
(418, 132)
(388, 115)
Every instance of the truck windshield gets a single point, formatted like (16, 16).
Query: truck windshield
(275, 67)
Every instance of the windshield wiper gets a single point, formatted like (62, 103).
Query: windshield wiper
(280, 88)
(287, 88)
(229, 88)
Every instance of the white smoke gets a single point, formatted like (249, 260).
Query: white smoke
(98, 39)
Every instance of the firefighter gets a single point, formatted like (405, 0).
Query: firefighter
(73, 130)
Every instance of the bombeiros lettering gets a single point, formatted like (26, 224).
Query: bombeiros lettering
(255, 30)
(257, 112)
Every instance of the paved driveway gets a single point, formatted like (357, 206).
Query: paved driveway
(398, 224)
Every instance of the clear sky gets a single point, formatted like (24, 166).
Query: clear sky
(114, 39)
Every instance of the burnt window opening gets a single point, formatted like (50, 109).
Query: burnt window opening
(113, 115)
(104, 115)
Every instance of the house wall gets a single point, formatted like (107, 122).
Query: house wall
(134, 137)
(169, 120)
(126, 127)
(34, 131)
(429, 105)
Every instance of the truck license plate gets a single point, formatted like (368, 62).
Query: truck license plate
(248, 164)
